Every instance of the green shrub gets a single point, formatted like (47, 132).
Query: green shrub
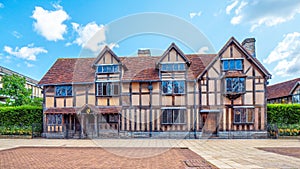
(283, 113)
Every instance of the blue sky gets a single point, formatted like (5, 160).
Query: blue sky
(33, 34)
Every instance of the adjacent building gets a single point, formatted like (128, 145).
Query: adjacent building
(285, 92)
(172, 95)
(30, 84)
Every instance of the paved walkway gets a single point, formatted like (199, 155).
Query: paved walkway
(240, 154)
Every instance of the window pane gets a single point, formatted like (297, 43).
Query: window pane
(104, 69)
(225, 64)
(243, 116)
(163, 67)
(165, 86)
(238, 64)
(104, 89)
(169, 67)
(176, 86)
(181, 87)
(182, 116)
(58, 91)
(231, 65)
(165, 116)
(176, 67)
(228, 85)
(176, 116)
(237, 115)
(59, 118)
(100, 69)
(69, 90)
(242, 85)
(235, 85)
(109, 68)
(116, 89)
(170, 118)
(100, 89)
(181, 66)
(116, 68)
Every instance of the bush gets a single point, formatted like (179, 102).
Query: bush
(19, 120)
(283, 113)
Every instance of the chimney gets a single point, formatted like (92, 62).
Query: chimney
(249, 45)
(144, 52)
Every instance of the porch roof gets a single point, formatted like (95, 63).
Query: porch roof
(95, 110)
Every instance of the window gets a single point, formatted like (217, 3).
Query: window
(296, 97)
(243, 115)
(173, 66)
(107, 89)
(54, 119)
(108, 69)
(235, 85)
(113, 118)
(173, 116)
(63, 90)
(173, 87)
(232, 64)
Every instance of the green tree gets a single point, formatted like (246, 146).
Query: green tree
(13, 86)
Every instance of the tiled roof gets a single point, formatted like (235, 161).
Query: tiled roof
(80, 70)
(281, 89)
(235, 74)
(60, 111)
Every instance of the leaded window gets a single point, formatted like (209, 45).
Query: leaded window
(173, 116)
(107, 89)
(113, 118)
(235, 85)
(54, 119)
(243, 115)
(232, 64)
(108, 68)
(63, 90)
(172, 66)
(173, 87)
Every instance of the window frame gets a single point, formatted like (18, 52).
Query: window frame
(171, 86)
(170, 67)
(232, 85)
(170, 116)
(234, 61)
(114, 66)
(244, 112)
(113, 118)
(110, 89)
(65, 87)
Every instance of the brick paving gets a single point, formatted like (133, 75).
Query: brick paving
(70, 158)
(223, 153)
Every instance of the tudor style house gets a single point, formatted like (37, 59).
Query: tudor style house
(284, 92)
(172, 95)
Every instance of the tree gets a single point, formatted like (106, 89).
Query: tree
(13, 86)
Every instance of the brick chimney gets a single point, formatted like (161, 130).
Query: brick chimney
(249, 45)
(144, 52)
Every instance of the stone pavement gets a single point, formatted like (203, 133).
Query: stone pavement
(239, 153)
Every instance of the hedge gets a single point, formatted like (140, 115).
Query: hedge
(20, 116)
(283, 113)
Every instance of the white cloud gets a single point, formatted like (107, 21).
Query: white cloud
(91, 36)
(231, 6)
(263, 12)
(287, 54)
(203, 50)
(27, 52)
(49, 24)
(193, 14)
(1, 5)
(16, 34)
(28, 64)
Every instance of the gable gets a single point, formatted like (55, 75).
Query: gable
(106, 56)
(173, 54)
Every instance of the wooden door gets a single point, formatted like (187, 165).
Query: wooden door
(210, 124)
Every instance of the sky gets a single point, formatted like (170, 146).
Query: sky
(34, 34)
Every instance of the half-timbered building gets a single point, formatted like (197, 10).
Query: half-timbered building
(175, 95)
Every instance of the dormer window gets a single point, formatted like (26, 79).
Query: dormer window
(108, 68)
(232, 64)
(173, 67)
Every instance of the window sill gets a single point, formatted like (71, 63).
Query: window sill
(247, 123)
(173, 94)
(62, 96)
(173, 123)
(108, 96)
(107, 73)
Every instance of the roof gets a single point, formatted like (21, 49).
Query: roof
(11, 72)
(80, 70)
(282, 89)
(96, 110)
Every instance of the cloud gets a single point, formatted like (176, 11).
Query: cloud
(49, 24)
(27, 52)
(193, 14)
(287, 54)
(1, 5)
(28, 64)
(263, 12)
(16, 34)
(203, 50)
(231, 6)
(91, 36)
